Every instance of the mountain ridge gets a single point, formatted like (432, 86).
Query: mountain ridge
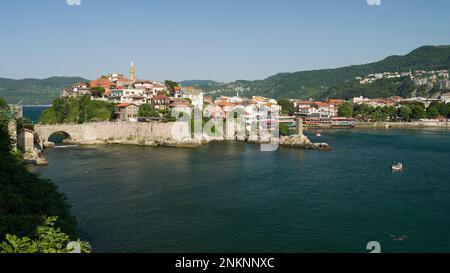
(315, 83)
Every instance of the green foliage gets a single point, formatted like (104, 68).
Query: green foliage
(34, 91)
(146, 111)
(25, 197)
(284, 129)
(366, 112)
(437, 109)
(199, 83)
(405, 112)
(97, 91)
(77, 110)
(3, 104)
(48, 239)
(24, 123)
(378, 89)
(5, 113)
(362, 111)
(406, 88)
(171, 85)
(346, 110)
(287, 106)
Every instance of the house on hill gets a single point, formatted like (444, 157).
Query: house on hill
(126, 112)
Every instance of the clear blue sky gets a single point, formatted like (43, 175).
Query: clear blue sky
(221, 40)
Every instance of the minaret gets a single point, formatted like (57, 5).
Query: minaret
(132, 74)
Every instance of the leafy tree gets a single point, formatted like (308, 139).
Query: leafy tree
(391, 112)
(362, 111)
(437, 109)
(24, 123)
(3, 104)
(287, 107)
(405, 113)
(97, 91)
(146, 110)
(418, 112)
(346, 110)
(25, 197)
(432, 111)
(284, 130)
(49, 239)
(406, 88)
(77, 110)
(5, 113)
(170, 85)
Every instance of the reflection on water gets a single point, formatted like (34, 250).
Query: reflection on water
(230, 197)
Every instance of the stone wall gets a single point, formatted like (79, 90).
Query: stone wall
(151, 133)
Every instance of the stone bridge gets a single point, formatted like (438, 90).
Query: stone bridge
(104, 132)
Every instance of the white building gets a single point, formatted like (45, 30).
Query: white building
(194, 95)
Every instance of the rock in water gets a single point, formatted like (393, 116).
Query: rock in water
(302, 142)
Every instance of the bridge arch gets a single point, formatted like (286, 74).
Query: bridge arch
(59, 137)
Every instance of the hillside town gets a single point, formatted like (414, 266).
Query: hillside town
(129, 94)
(430, 79)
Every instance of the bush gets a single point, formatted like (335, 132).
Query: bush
(49, 239)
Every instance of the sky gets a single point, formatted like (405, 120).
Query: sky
(222, 40)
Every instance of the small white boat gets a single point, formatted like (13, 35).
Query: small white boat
(397, 167)
(318, 135)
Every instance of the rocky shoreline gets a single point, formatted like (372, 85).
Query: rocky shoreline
(302, 142)
(293, 141)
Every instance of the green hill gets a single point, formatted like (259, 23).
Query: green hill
(316, 83)
(35, 91)
(197, 83)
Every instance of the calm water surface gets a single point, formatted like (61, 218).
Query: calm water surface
(229, 197)
(34, 112)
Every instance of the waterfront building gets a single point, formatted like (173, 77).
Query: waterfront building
(333, 105)
(181, 105)
(126, 112)
(196, 96)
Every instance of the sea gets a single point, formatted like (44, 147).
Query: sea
(231, 197)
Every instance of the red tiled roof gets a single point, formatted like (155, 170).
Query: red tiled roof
(124, 105)
(160, 96)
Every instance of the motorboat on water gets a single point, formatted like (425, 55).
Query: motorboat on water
(318, 135)
(397, 167)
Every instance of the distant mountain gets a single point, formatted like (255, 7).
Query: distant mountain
(316, 83)
(199, 83)
(35, 91)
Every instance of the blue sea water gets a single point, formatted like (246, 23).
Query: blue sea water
(33, 112)
(230, 197)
